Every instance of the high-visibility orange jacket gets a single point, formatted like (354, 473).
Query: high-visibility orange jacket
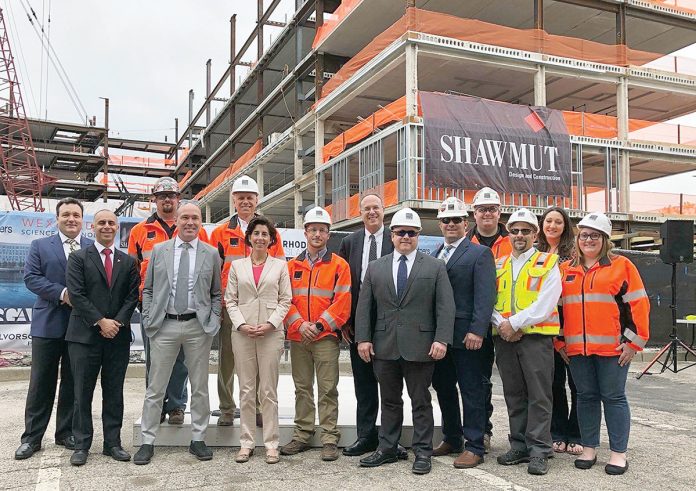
(145, 235)
(603, 307)
(228, 239)
(501, 247)
(319, 294)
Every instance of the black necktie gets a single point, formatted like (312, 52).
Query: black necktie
(373, 249)
(401, 277)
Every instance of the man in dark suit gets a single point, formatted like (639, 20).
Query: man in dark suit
(471, 270)
(404, 322)
(103, 287)
(44, 275)
(359, 249)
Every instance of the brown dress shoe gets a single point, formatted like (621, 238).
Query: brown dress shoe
(176, 416)
(467, 460)
(445, 448)
(226, 419)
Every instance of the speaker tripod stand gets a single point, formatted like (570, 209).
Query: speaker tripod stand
(670, 349)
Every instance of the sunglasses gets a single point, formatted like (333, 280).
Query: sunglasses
(593, 236)
(448, 220)
(523, 231)
(404, 233)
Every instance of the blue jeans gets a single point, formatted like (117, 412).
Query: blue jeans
(601, 381)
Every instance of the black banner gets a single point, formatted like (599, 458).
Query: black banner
(471, 143)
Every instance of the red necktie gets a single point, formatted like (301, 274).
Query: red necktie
(108, 266)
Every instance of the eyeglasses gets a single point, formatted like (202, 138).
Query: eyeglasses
(592, 236)
(523, 231)
(313, 230)
(404, 233)
(164, 196)
(486, 209)
(448, 220)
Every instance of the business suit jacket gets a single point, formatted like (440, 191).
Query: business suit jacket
(93, 299)
(207, 295)
(471, 271)
(268, 302)
(407, 327)
(351, 249)
(44, 275)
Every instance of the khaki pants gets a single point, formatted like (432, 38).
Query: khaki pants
(320, 357)
(225, 380)
(258, 357)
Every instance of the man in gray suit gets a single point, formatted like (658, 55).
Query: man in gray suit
(404, 322)
(181, 308)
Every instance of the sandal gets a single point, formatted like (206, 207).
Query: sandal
(272, 456)
(575, 449)
(560, 447)
(244, 455)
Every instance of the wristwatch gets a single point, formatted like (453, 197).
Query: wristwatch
(320, 326)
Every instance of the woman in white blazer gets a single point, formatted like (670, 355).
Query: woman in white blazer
(258, 297)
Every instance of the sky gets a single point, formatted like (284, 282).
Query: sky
(145, 55)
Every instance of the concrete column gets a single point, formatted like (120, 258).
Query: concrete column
(624, 184)
(259, 180)
(207, 214)
(297, 195)
(318, 143)
(623, 163)
(622, 108)
(411, 80)
(540, 86)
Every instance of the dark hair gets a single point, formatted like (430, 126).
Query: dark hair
(69, 201)
(255, 222)
(566, 246)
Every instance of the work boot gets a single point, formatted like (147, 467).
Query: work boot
(226, 419)
(538, 466)
(176, 416)
(329, 452)
(294, 447)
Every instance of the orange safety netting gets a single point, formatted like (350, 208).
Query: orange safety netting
(330, 23)
(534, 40)
(234, 167)
(132, 161)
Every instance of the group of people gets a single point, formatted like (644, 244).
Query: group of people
(546, 304)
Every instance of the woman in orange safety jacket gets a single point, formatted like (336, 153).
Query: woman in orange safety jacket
(606, 320)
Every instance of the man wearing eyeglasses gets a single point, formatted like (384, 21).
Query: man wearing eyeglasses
(471, 271)
(525, 320)
(404, 322)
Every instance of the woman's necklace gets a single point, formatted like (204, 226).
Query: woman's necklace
(260, 262)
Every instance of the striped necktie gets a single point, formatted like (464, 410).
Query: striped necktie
(73, 245)
(444, 255)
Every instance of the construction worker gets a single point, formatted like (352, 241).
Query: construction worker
(606, 320)
(228, 238)
(320, 307)
(525, 320)
(471, 271)
(490, 232)
(160, 227)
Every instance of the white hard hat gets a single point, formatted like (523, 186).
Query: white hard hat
(523, 215)
(405, 217)
(245, 184)
(165, 185)
(597, 221)
(486, 196)
(452, 207)
(317, 215)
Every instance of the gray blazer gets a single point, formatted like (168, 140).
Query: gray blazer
(408, 327)
(206, 287)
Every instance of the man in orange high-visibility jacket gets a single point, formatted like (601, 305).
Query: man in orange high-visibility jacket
(488, 231)
(320, 307)
(228, 238)
(160, 227)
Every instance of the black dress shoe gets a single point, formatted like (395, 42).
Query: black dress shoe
(615, 470)
(68, 442)
(79, 457)
(26, 450)
(200, 450)
(585, 463)
(144, 454)
(421, 465)
(378, 458)
(117, 453)
(360, 447)
(401, 453)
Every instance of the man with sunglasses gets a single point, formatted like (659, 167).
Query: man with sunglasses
(488, 231)
(160, 227)
(525, 321)
(471, 271)
(404, 322)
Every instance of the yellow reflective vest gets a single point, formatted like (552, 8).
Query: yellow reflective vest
(516, 295)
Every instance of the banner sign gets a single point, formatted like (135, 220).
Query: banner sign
(472, 142)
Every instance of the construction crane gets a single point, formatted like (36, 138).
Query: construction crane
(20, 173)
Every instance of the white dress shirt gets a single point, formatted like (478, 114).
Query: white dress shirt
(454, 245)
(192, 268)
(100, 248)
(379, 235)
(410, 259)
(242, 225)
(543, 306)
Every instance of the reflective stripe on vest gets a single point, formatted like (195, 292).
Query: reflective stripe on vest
(592, 338)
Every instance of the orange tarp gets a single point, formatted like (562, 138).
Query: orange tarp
(533, 40)
(234, 167)
(330, 23)
(185, 178)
